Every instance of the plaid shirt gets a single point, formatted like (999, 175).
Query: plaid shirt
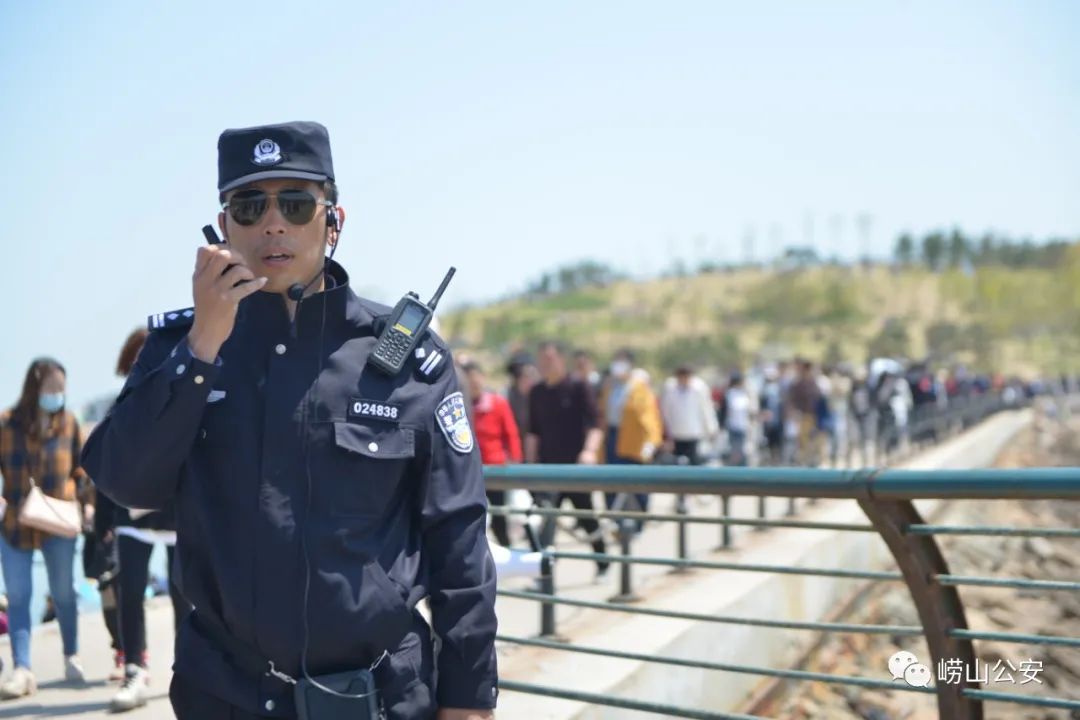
(50, 460)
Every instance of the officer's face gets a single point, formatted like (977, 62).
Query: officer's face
(274, 247)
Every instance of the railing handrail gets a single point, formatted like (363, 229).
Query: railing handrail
(884, 484)
(886, 498)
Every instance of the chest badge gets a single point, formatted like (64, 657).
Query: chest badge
(361, 409)
(454, 423)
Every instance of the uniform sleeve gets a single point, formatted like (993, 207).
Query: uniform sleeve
(135, 454)
(461, 573)
(511, 436)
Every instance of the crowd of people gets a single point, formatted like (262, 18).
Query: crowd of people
(557, 408)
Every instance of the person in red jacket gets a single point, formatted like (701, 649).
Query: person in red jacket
(496, 434)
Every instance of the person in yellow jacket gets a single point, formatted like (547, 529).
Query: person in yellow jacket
(630, 419)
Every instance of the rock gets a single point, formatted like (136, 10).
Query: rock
(821, 692)
(1066, 558)
(1064, 660)
(990, 652)
(1002, 617)
(808, 708)
(873, 701)
(985, 598)
(1040, 547)
(977, 619)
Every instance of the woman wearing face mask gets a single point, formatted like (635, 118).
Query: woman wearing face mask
(39, 441)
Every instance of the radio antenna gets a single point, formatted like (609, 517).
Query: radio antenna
(442, 288)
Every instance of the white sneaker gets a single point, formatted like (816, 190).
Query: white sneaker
(20, 684)
(132, 693)
(73, 670)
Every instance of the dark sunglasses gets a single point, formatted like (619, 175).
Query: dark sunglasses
(296, 206)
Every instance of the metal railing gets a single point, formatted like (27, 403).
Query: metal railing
(885, 497)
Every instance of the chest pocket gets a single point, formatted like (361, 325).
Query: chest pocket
(371, 463)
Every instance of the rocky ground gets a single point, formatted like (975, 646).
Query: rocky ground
(988, 609)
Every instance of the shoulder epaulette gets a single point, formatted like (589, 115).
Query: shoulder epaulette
(171, 319)
(431, 357)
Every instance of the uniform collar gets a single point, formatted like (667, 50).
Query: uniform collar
(266, 312)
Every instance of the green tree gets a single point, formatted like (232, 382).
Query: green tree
(801, 257)
(933, 247)
(959, 250)
(891, 341)
(987, 252)
(720, 350)
(945, 338)
(905, 250)
(584, 274)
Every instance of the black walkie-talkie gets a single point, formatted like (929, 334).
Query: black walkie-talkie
(212, 239)
(403, 330)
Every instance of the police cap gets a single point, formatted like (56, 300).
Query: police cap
(289, 150)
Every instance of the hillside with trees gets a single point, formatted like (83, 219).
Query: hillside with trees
(989, 302)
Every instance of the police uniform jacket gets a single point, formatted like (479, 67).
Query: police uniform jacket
(264, 452)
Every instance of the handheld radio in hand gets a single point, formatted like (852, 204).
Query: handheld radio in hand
(212, 239)
(404, 327)
(211, 235)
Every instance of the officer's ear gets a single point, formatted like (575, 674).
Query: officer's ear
(335, 228)
(221, 225)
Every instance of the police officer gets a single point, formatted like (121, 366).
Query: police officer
(318, 499)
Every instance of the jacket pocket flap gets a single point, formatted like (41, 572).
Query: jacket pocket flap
(378, 444)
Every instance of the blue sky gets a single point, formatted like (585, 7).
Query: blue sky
(506, 138)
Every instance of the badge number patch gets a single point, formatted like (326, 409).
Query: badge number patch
(360, 408)
(454, 423)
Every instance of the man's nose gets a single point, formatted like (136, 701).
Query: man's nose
(275, 223)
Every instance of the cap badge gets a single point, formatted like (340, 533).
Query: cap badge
(267, 152)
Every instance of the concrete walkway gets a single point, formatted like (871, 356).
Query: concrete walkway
(521, 618)
(58, 699)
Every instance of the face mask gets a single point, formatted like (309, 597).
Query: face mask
(51, 402)
(620, 368)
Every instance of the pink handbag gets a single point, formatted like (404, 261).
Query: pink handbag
(51, 515)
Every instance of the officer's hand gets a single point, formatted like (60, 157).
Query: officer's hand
(216, 299)
(456, 714)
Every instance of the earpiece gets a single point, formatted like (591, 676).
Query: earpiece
(332, 218)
